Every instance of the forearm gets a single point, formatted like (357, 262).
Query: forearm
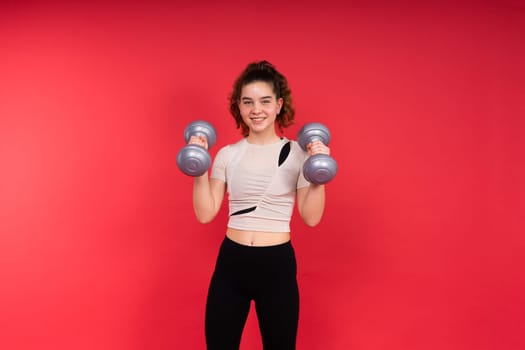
(313, 205)
(203, 201)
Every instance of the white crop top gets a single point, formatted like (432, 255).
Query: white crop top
(261, 181)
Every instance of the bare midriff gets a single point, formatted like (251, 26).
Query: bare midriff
(257, 238)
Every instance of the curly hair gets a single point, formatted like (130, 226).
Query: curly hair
(265, 72)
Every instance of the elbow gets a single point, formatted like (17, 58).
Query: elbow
(312, 222)
(311, 219)
(204, 219)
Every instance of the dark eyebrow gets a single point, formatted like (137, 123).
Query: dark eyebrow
(262, 98)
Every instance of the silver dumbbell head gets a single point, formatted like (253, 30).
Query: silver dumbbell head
(319, 169)
(311, 132)
(201, 127)
(193, 160)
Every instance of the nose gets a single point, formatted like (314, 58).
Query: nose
(256, 108)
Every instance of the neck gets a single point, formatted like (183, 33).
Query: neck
(262, 139)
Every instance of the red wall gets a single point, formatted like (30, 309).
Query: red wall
(421, 246)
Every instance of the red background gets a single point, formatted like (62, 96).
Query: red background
(421, 246)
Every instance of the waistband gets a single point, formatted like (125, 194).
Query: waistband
(230, 243)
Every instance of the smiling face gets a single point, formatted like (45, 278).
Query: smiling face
(259, 108)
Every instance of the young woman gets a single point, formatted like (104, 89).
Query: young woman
(263, 176)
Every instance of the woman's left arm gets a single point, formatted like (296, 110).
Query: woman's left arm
(311, 199)
(310, 203)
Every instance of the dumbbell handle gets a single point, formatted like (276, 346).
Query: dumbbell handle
(316, 138)
(201, 143)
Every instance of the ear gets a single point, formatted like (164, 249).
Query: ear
(280, 102)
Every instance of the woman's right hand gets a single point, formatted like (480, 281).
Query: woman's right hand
(198, 140)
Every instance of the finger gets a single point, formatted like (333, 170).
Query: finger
(197, 140)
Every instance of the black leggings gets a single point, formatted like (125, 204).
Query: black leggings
(266, 275)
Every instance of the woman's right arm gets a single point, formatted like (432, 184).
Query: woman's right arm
(207, 193)
(207, 197)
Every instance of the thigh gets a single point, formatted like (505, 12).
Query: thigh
(277, 306)
(226, 312)
(278, 319)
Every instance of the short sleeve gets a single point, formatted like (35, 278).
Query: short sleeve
(218, 169)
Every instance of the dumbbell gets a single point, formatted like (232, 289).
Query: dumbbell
(318, 168)
(194, 160)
